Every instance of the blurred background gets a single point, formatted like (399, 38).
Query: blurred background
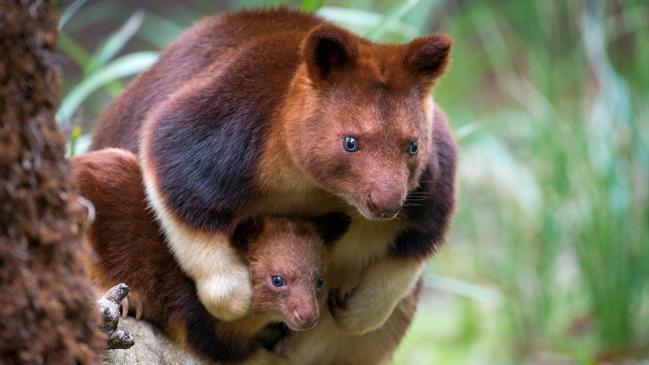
(548, 258)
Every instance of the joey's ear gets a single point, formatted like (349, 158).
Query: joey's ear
(328, 48)
(332, 226)
(245, 233)
(427, 57)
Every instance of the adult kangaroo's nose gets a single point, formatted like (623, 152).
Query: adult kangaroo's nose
(385, 200)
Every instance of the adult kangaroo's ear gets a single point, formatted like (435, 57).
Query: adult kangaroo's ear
(327, 49)
(427, 58)
(332, 226)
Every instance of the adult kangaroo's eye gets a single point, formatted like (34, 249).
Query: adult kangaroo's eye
(350, 144)
(320, 283)
(277, 281)
(413, 149)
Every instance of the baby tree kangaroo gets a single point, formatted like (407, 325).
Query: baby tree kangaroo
(285, 256)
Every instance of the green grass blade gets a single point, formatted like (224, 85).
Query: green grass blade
(158, 30)
(116, 42)
(97, 11)
(124, 66)
(391, 18)
(362, 21)
(73, 50)
(78, 144)
(69, 12)
(353, 18)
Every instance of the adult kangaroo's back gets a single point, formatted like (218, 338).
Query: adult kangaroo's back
(213, 45)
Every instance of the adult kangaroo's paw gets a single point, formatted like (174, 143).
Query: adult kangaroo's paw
(360, 311)
(109, 308)
(226, 296)
(366, 307)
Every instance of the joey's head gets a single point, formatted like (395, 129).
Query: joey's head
(287, 260)
(360, 122)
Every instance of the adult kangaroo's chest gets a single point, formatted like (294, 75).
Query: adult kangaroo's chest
(365, 242)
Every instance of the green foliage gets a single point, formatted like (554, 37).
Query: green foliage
(311, 5)
(101, 69)
(115, 42)
(562, 230)
(123, 66)
(548, 258)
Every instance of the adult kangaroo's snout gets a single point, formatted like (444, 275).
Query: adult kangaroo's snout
(385, 199)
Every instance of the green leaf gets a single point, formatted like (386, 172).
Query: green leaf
(311, 5)
(158, 30)
(392, 18)
(78, 145)
(69, 12)
(362, 21)
(72, 49)
(72, 143)
(97, 11)
(124, 66)
(116, 41)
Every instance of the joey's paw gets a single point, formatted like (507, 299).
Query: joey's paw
(130, 304)
(225, 297)
(356, 312)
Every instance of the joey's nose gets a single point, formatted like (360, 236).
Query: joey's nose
(385, 202)
(305, 320)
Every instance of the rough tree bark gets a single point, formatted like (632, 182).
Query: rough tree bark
(47, 308)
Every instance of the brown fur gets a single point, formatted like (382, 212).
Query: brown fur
(130, 248)
(245, 115)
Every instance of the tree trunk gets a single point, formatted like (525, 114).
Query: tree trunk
(47, 313)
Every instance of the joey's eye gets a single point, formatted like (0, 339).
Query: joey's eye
(350, 144)
(277, 281)
(320, 283)
(413, 149)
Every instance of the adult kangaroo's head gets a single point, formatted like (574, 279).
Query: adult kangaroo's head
(360, 119)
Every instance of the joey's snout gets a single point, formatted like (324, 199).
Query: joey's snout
(305, 320)
(302, 315)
